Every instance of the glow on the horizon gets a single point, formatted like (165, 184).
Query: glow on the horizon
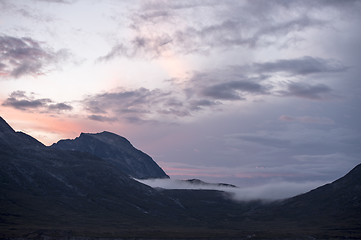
(45, 128)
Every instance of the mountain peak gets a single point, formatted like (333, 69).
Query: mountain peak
(117, 150)
(10, 138)
(108, 137)
(196, 181)
(5, 127)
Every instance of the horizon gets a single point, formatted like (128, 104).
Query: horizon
(243, 92)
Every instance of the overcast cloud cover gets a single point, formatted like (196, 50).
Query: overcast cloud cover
(247, 92)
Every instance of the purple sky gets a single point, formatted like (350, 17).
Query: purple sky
(246, 92)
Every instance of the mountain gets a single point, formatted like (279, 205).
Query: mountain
(330, 211)
(50, 188)
(337, 203)
(5, 127)
(9, 138)
(117, 150)
(52, 193)
(198, 182)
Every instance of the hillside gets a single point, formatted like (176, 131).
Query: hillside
(117, 150)
(52, 193)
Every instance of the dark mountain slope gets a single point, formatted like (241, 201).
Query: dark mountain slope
(115, 149)
(10, 138)
(50, 190)
(330, 211)
(54, 183)
(5, 127)
(42, 187)
(49, 193)
(336, 202)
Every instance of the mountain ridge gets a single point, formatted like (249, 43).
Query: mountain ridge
(4, 126)
(346, 197)
(10, 138)
(52, 193)
(196, 181)
(115, 149)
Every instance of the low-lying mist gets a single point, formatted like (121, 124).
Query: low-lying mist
(274, 190)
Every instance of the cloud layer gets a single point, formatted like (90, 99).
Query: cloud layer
(234, 24)
(21, 101)
(160, 27)
(214, 88)
(25, 56)
(270, 191)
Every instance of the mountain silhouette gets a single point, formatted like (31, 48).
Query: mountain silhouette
(64, 193)
(44, 187)
(115, 149)
(9, 138)
(334, 203)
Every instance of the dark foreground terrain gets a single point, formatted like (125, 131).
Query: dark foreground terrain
(70, 191)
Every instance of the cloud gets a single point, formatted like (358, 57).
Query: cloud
(230, 83)
(301, 66)
(116, 51)
(134, 105)
(203, 91)
(197, 27)
(101, 118)
(251, 170)
(2, 66)
(123, 101)
(60, 107)
(144, 105)
(212, 89)
(331, 147)
(307, 119)
(21, 101)
(196, 105)
(350, 7)
(25, 104)
(58, 1)
(265, 140)
(177, 184)
(308, 91)
(232, 90)
(31, 11)
(273, 190)
(25, 56)
(237, 82)
(267, 179)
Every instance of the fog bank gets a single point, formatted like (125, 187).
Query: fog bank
(274, 190)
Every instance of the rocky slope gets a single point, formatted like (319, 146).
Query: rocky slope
(117, 150)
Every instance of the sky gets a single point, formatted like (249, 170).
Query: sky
(252, 93)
